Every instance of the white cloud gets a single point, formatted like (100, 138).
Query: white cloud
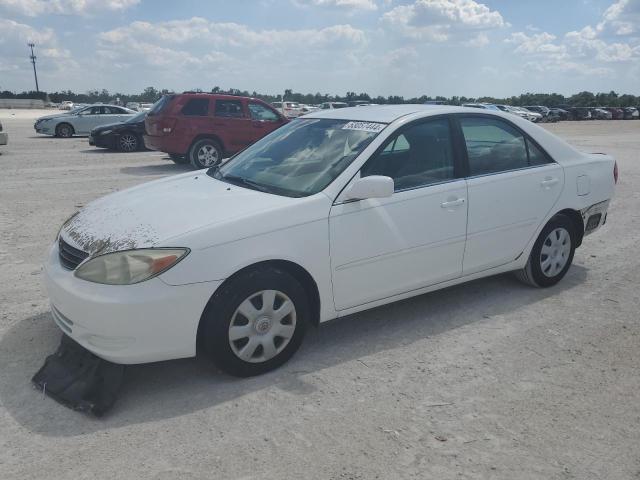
(439, 20)
(34, 8)
(621, 18)
(342, 4)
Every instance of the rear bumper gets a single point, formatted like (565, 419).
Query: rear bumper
(146, 322)
(168, 144)
(4, 138)
(594, 217)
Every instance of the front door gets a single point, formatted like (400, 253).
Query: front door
(513, 185)
(416, 237)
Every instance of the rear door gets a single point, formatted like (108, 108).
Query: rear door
(232, 123)
(512, 186)
(264, 120)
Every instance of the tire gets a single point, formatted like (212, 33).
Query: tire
(239, 331)
(179, 159)
(205, 153)
(551, 255)
(64, 130)
(128, 142)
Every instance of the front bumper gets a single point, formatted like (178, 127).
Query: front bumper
(147, 322)
(44, 129)
(4, 138)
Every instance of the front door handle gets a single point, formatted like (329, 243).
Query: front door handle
(453, 203)
(549, 182)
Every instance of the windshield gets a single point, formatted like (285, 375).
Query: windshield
(137, 118)
(300, 158)
(160, 104)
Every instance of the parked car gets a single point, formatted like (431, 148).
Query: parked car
(332, 105)
(580, 113)
(203, 128)
(631, 113)
(288, 109)
(133, 106)
(329, 215)
(560, 112)
(547, 114)
(81, 121)
(483, 106)
(358, 103)
(616, 113)
(304, 109)
(600, 114)
(123, 136)
(4, 136)
(145, 107)
(519, 111)
(66, 105)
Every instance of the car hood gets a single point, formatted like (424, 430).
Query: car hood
(55, 115)
(108, 126)
(152, 213)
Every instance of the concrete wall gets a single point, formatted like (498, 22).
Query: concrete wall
(21, 103)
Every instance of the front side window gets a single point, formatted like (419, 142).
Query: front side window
(494, 145)
(299, 159)
(229, 108)
(260, 112)
(419, 156)
(196, 107)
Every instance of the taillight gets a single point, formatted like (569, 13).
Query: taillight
(615, 172)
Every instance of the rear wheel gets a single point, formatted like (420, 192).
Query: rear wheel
(205, 153)
(255, 322)
(551, 255)
(128, 142)
(64, 130)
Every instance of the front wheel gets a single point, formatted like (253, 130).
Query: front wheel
(64, 130)
(255, 322)
(205, 153)
(128, 142)
(551, 255)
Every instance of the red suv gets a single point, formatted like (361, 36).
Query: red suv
(204, 128)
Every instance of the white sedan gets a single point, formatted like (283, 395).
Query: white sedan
(334, 213)
(81, 121)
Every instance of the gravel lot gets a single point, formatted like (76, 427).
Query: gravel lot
(491, 379)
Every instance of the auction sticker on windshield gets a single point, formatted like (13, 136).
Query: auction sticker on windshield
(364, 126)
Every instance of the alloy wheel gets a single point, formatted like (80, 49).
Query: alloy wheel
(208, 156)
(128, 142)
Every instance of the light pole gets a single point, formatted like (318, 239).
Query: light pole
(33, 61)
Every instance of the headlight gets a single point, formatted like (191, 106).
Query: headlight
(105, 132)
(130, 266)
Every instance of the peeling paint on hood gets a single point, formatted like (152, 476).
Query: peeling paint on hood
(152, 213)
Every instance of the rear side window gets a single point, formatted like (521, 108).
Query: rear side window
(229, 108)
(495, 146)
(196, 107)
(260, 112)
(421, 155)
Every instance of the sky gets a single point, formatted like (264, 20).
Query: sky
(383, 47)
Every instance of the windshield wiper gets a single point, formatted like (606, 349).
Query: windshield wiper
(245, 182)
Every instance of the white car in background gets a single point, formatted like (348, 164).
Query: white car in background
(332, 105)
(288, 109)
(66, 105)
(331, 214)
(81, 121)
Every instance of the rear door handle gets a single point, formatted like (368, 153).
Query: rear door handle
(549, 182)
(453, 203)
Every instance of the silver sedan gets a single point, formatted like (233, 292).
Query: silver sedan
(82, 120)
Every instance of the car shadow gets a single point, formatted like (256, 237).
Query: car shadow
(157, 169)
(169, 389)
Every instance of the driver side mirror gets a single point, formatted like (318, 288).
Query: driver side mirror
(374, 186)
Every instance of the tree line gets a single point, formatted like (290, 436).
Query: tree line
(151, 94)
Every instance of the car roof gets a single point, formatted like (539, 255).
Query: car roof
(387, 113)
